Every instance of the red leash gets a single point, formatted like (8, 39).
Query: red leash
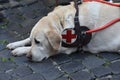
(105, 2)
(104, 26)
(102, 1)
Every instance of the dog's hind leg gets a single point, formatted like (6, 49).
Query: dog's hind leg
(19, 43)
(21, 51)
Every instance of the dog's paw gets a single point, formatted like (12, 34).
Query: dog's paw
(12, 45)
(17, 52)
(20, 51)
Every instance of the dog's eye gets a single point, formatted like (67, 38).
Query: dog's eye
(36, 41)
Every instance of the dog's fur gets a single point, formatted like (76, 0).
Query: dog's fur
(45, 37)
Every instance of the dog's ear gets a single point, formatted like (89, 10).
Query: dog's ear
(54, 39)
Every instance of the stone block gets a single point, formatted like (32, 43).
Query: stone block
(101, 71)
(62, 78)
(42, 66)
(72, 66)
(81, 75)
(4, 76)
(6, 65)
(4, 1)
(35, 76)
(116, 77)
(52, 74)
(61, 58)
(1, 18)
(53, 3)
(79, 55)
(115, 67)
(92, 62)
(110, 56)
(22, 71)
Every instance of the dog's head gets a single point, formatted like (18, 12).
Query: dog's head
(44, 44)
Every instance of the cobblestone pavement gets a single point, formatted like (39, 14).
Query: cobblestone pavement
(17, 17)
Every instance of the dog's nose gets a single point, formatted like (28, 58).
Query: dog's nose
(29, 57)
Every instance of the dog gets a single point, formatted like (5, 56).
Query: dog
(45, 37)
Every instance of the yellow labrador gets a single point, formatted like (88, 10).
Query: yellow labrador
(45, 37)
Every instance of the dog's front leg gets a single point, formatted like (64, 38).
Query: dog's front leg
(19, 43)
(21, 51)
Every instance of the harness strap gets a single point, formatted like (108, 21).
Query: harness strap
(76, 18)
(56, 2)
